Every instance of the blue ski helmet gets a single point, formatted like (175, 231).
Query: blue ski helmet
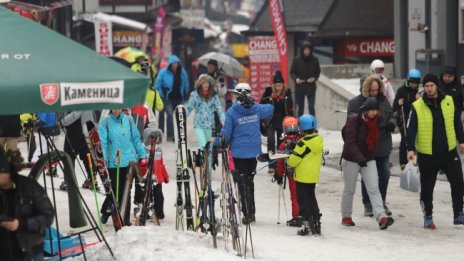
(308, 122)
(414, 75)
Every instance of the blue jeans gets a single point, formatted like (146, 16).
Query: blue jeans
(383, 170)
(169, 107)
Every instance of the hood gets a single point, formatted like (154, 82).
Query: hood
(450, 70)
(304, 45)
(367, 83)
(238, 108)
(173, 59)
(315, 140)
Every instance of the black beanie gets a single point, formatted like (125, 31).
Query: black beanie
(370, 103)
(278, 78)
(450, 69)
(4, 164)
(430, 78)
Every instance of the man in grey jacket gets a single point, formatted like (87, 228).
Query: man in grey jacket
(373, 86)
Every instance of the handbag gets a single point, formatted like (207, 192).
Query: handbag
(410, 178)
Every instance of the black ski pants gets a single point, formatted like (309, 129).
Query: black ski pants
(79, 148)
(157, 195)
(429, 165)
(306, 197)
(108, 203)
(246, 169)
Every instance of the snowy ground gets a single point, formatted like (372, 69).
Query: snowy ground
(405, 240)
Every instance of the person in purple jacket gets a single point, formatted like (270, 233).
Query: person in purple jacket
(361, 136)
(241, 131)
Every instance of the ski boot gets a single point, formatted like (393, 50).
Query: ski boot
(63, 186)
(295, 222)
(317, 224)
(368, 210)
(428, 222)
(459, 220)
(304, 230)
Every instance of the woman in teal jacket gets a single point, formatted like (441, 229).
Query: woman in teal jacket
(118, 132)
(205, 102)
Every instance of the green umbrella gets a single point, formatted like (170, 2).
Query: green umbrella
(42, 70)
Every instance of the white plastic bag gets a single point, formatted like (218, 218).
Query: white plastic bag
(410, 178)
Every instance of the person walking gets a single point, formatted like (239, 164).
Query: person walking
(377, 69)
(25, 211)
(404, 98)
(220, 83)
(451, 85)
(241, 131)
(119, 135)
(434, 126)
(361, 137)
(75, 143)
(306, 158)
(305, 71)
(205, 102)
(281, 99)
(373, 87)
(172, 86)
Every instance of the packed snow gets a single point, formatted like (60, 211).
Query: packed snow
(404, 240)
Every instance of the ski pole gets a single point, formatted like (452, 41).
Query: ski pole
(89, 158)
(278, 208)
(118, 161)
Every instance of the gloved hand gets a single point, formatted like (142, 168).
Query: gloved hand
(278, 179)
(390, 127)
(28, 125)
(362, 164)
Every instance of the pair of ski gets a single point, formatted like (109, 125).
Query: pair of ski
(182, 172)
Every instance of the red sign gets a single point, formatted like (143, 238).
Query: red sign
(367, 47)
(276, 9)
(125, 2)
(50, 93)
(264, 61)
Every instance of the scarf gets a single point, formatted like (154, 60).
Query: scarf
(373, 132)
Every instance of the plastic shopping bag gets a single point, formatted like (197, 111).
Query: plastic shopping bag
(410, 178)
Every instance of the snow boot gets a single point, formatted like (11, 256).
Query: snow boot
(104, 218)
(347, 221)
(304, 229)
(387, 210)
(63, 186)
(368, 210)
(459, 220)
(428, 222)
(295, 222)
(317, 224)
(385, 222)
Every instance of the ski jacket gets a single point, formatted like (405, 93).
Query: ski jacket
(305, 67)
(204, 110)
(241, 129)
(408, 95)
(286, 146)
(48, 121)
(120, 133)
(387, 121)
(33, 209)
(306, 158)
(283, 105)
(10, 126)
(355, 147)
(165, 80)
(153, 100)
(453, 89)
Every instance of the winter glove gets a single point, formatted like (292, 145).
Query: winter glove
(278, 179)
(390, 127)
(362, 164)
(143, 166)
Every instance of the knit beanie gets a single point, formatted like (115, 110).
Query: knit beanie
(430, 78)
(369, 104)
(450, 69)
(278, 78)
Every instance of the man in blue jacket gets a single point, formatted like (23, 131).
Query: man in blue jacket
(172, 86)
(241, 130)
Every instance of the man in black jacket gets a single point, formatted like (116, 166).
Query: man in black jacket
(25, 213)
(450, 84)
(305, 71)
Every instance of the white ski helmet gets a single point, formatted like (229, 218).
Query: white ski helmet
(243, 86)
(377, 63)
